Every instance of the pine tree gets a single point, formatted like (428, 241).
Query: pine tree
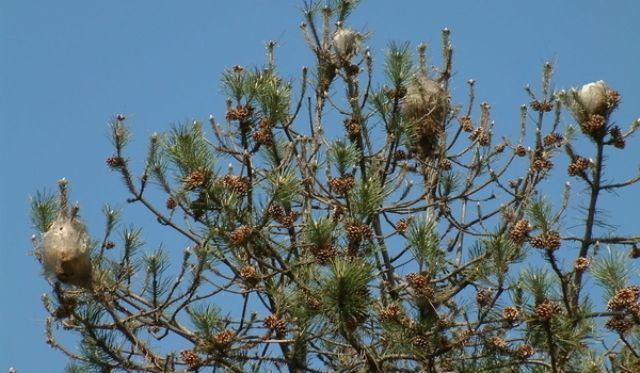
(393, 243)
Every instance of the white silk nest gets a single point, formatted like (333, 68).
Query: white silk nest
(65, 251)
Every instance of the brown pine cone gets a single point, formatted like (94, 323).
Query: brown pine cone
(520, 231)
(552, 138)
(511, 314)
(594, 126)
(547, 241)
(274, 323)
(190, 358)
(581, 264)
(390, 312)
(620, 324)
(524, 351)
(498, 343)
(343, 184)
(547, 309)
(402, 225)
(466, 124)
(240, 235)
(578, 166)
(223, 338)
(624, 298)
(196, 179)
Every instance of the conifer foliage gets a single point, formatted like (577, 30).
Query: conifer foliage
(368, 222)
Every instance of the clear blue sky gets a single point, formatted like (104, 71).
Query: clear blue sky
(67, 66)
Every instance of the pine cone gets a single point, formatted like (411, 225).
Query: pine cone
(171, 203)
(288, 219)
(634, 310)
(624, 298)
(275, 211)
(420, 284)
(342, 185)
(240, 113)
(196, 179)
(525, 351)
(420, 341)
(552, 138)
(390, 312)
(408, 322)
(115, 161)
(190, 358)
(498, 343)
(613, 99)
(276, 324)
(353, 128)
(481, 136)
(466, 124)
(547, 241)
(520, 231)
(542, 163)
(240, 235)
(578, 166)
(546, 309)
(264, 135)
(521, 151)
(249, 275)
(223, 338)
(417, 280)
(543, 106)
(511, 314)
(238, 184)
(358, 232)
(323, 254)
(617, 138)
(594, 126)
(620, 324)
(581, 264)
(395, 94)
(402, 225)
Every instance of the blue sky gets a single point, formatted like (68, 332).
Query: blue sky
(67, 67)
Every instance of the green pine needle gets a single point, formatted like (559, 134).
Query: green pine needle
(44, 209)
(274, 97)
(399, 65)
(366, 198)
(424, 242)
(284, 185)
(343, 155)
(319, 231)
(537, 282)
(188, 149)
(346, 295)
(539, 211)
(612, 271)
(205, 319)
